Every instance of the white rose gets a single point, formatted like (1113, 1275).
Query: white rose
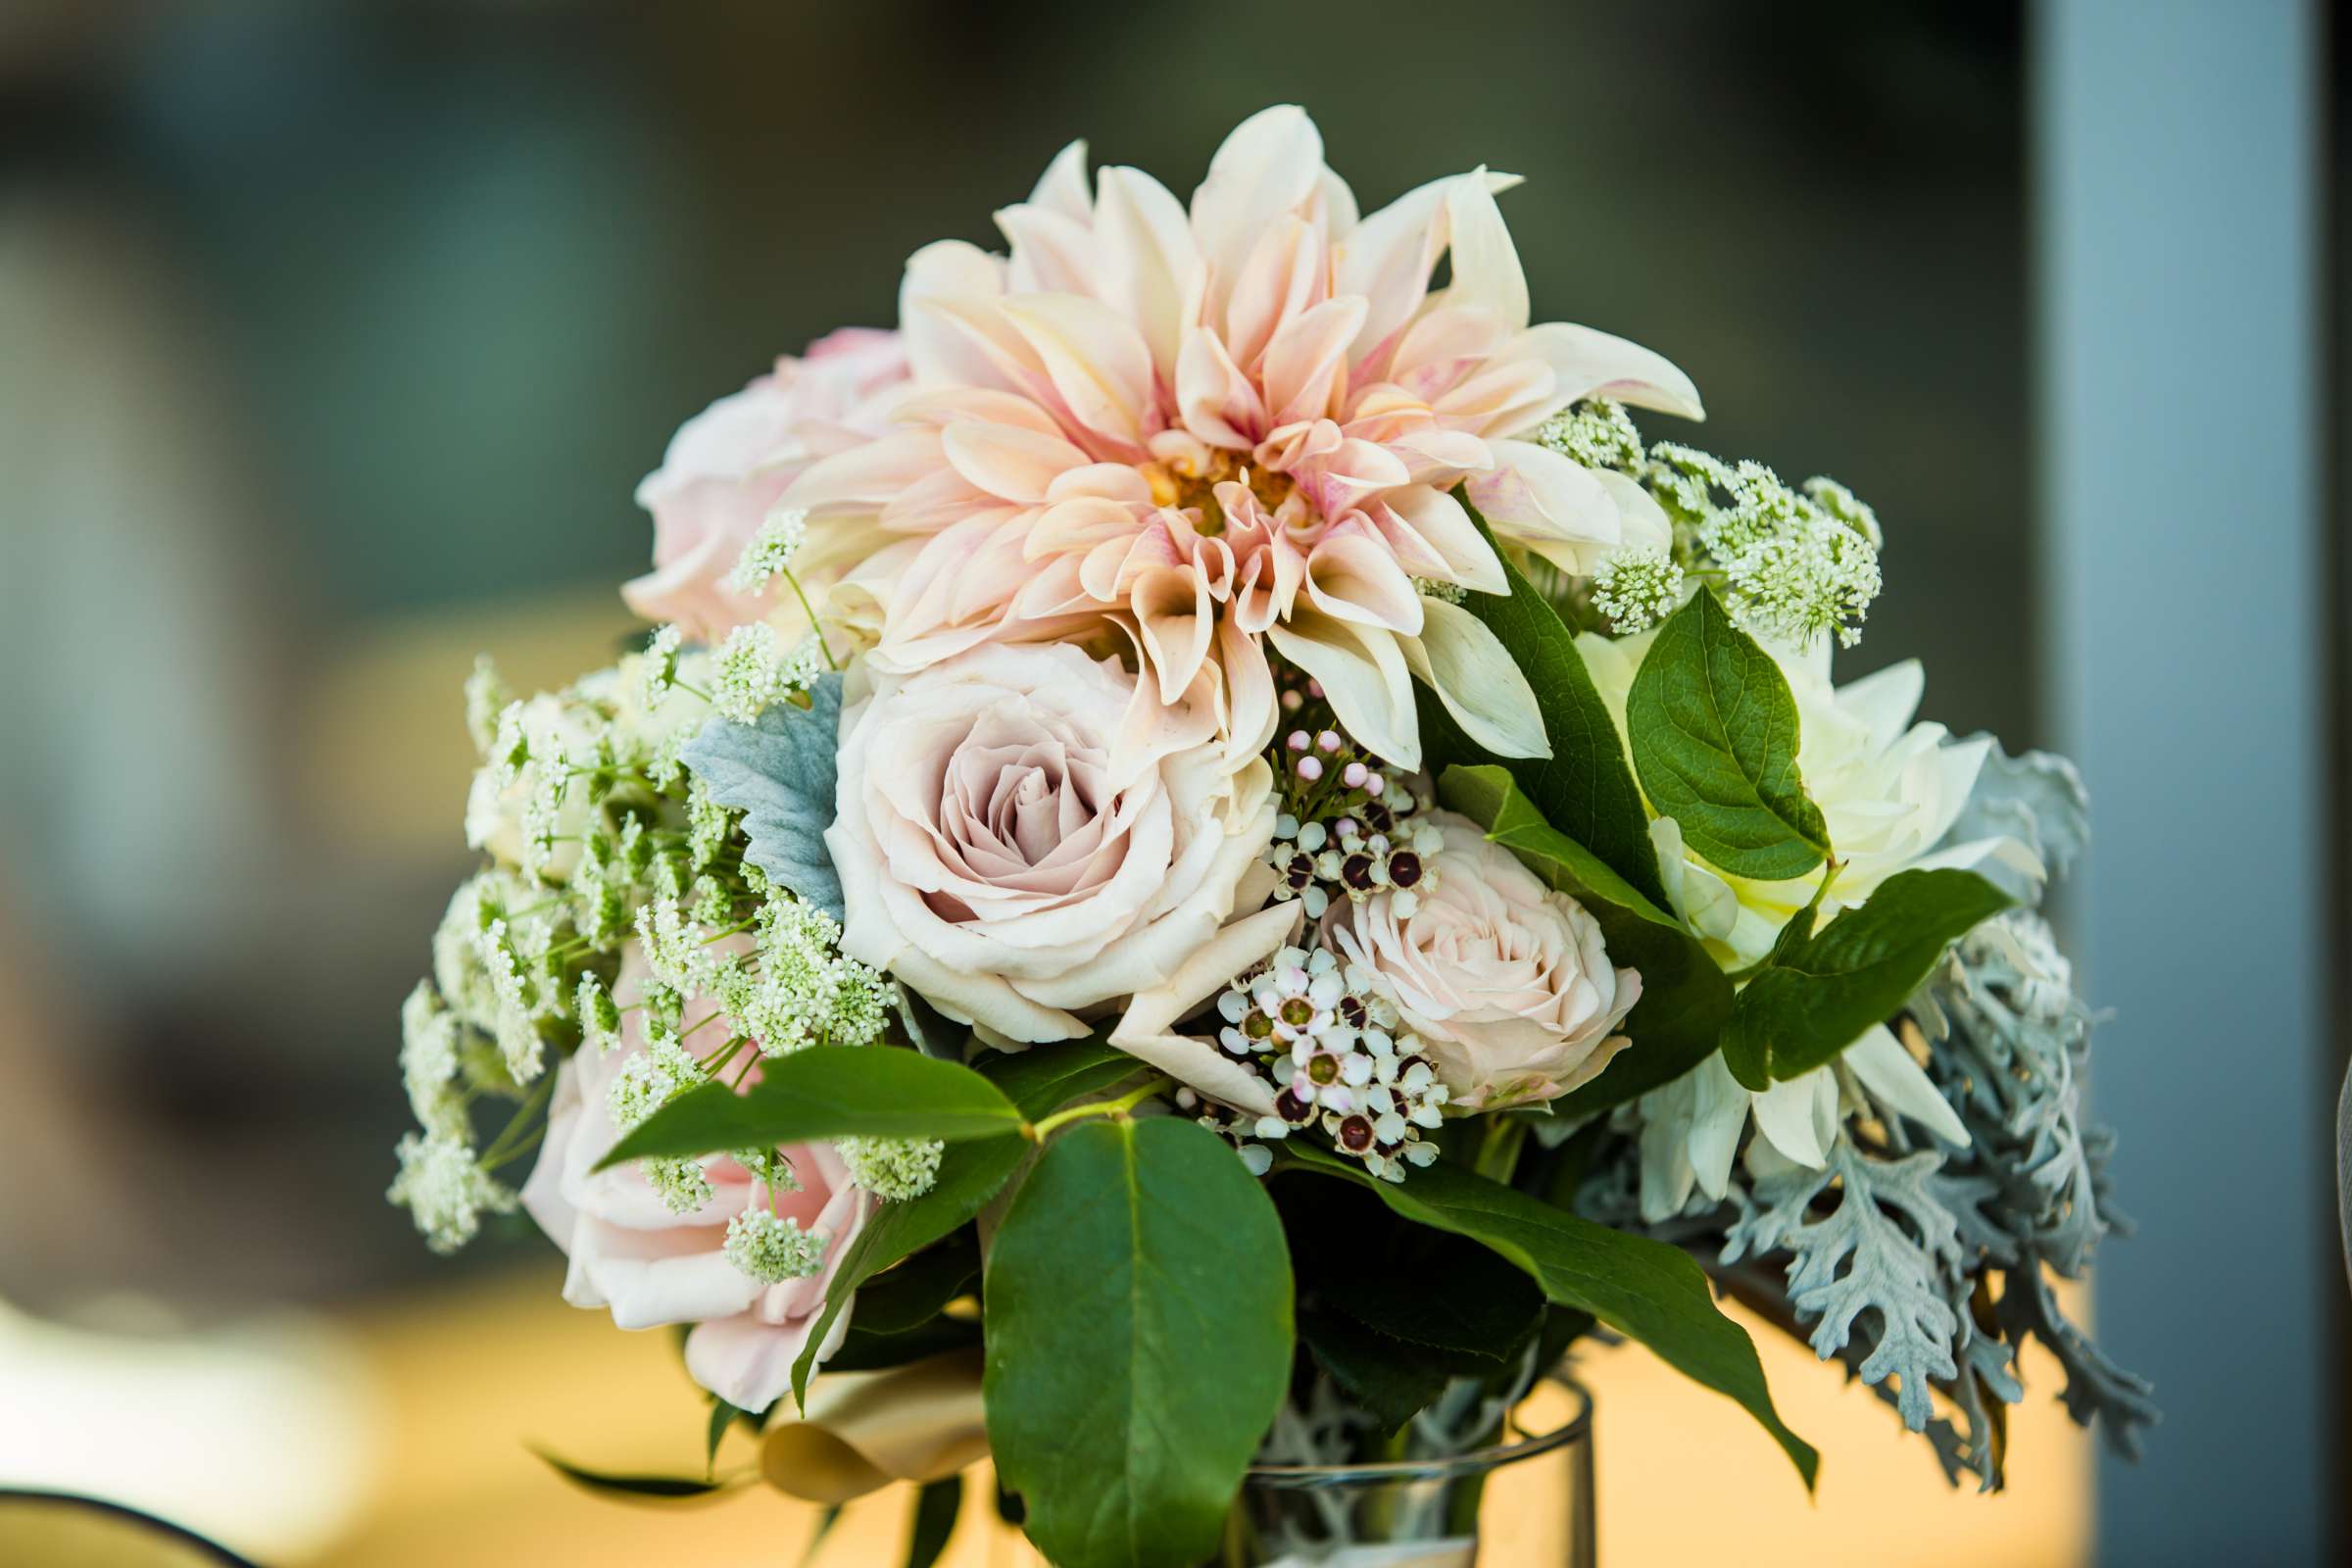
(1506, 982)
(1026, 834)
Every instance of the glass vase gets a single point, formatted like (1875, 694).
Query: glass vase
(1525, 1501)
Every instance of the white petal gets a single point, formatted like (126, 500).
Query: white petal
(1719, 1116)
(1466, 665)
(1900, 1084)
(1267, 168)
(1798, 1117)
(1552, 504)
(1589, 361)
(1486, 265)
(1363, 674)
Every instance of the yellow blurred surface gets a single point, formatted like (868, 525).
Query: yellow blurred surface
(472, 1376)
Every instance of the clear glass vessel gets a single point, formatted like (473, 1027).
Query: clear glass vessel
(1526, 1502)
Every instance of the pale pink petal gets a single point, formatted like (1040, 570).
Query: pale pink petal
(1486, 265)
(1282, 278)
(1355, 578)
(1266, 170)
(1481, 685)
(1004, 461)
(1389, 257)
(1061, 188)
(1447, 530)
(1098, 363)
(937, 352)
(1053, 253)
(1590, 362)
(1306, 361)
(1552, 505)
(1364, 676)
(1214, 398)
(1151, 271)
(866, 476)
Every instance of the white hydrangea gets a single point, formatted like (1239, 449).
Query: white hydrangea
(897, 1168)
(443, 1185)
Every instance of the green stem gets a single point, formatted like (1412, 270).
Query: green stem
(816, 627)
(1498, 1150)
(1036, 1131)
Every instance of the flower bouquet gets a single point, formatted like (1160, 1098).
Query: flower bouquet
(1213, 860)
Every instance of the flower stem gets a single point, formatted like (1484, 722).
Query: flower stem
(1036, 1131)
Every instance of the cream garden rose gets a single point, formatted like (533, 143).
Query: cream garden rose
(1507, 983)
(1028, 833)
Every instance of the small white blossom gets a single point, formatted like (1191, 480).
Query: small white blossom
(770, 554)
(486, 699)
(1637, 588)
(897, 1168)
(749, 673)
(443, 1185)
(767, 1248)
(660, 666)
(429, 1061)
(600, 1014)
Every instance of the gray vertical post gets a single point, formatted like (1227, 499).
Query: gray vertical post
(2176, 202)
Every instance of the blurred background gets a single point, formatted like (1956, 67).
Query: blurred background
(334, 338)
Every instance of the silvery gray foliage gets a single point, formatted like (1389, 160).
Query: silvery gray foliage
(1887, 1246)
(2007, 1042)
(780, 771)
(2037, 798)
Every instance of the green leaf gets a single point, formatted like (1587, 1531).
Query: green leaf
(1715, 736)
(1139, 1341)
(643, 1489)
(1685, 997)
(779, 772)
(1816, 998)
(1584, 788)
(1644, 1290)
(1045, 1078)
(722, 1417)
(862, 1351)
(935, 1510)
(828, 1092)
(1384, 1376)
(824, 1527)
(913, 1292)
(970, 1175)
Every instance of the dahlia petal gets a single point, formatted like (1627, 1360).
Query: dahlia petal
(1502, 397)
(1098, 363)
(1463, 661)
(1445, 529)
(1214, 398)
(1277, 283)
(1552, 505)
(937, 352)
(1266, 168)
(1486, 264)
(1007, 460)
(1364, 677)
(1389, 257)
(1151, 271)
(1641, 523)
(1589, 361)
(865, 477)
(1176, 622)
(1061, 188)
(1355, 578)
(1307, 361)
(1442, 346)
(1052, 253)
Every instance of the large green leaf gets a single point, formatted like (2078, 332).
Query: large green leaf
(1390, 1380)
(1645, 1290)
(1714, 733)
(1817, 995)
(1685, 997)
(1584, 788)
(1139, 1341)
(828, 1092)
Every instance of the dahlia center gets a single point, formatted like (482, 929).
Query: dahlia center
(1188, 485)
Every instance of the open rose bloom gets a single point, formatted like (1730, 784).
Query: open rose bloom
(1198, 794)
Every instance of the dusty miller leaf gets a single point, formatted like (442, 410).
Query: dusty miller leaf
(1884, 1250)
(779, 772)
(2035, 798)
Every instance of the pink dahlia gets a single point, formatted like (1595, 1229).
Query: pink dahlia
(1234, 425)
